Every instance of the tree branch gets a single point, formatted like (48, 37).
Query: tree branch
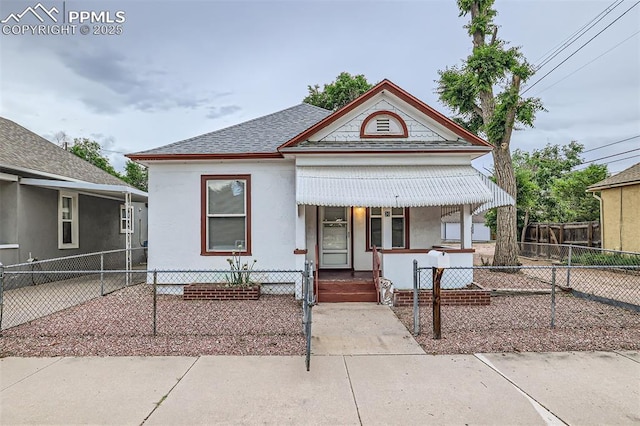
(494, 36)
(477, 109)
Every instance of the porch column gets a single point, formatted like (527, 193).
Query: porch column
(387, 235)
(465, 226)
(301, 235)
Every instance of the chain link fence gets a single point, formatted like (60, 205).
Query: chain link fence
(579, 255)
(480, 304)
(151, 312)
(37, 272)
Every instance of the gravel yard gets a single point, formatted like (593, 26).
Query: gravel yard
(617, 284)
(522, 323)
(122, 324)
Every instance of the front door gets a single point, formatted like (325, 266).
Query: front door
(335, 237)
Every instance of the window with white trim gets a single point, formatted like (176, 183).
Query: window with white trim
(123, 218)
(227, 211)
(398, 227)
(68, 221)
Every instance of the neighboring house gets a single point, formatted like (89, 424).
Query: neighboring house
(619, 206)
(54, 204)
(451, 228)
(305, 183)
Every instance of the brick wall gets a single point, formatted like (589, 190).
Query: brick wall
(447, 297)
(207, 291)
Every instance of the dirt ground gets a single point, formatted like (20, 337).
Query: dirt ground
(484, 253)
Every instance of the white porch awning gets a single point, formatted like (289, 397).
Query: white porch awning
(390, 186)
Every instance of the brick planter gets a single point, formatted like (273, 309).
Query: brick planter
(211, 291)
(447, 297)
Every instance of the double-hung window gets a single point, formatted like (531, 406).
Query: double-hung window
(68, 221)
(399, 227)
(226, 214)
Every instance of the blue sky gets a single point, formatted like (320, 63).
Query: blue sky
(183, 68)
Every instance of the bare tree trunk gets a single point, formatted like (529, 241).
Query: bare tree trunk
(506, 252)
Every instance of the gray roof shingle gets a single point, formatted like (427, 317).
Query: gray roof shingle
(377, 145)
(21, 148)
(260, 135)
(628, 176)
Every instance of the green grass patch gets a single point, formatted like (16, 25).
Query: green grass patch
(605, 259)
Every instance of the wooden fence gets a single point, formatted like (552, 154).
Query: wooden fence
(575, 233)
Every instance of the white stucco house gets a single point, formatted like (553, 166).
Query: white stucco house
(306, 183)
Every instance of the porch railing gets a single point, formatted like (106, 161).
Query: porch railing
(376, 271)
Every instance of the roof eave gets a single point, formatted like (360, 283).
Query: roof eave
(182, 157)
(477, 151)
(613, 185)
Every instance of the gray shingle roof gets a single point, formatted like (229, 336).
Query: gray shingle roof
(377, 145)
(628, 176)
(260, 135)
(23, 149)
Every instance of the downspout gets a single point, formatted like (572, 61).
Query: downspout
(621, 248)
(597, 197)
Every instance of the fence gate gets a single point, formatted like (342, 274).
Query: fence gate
(308, 300)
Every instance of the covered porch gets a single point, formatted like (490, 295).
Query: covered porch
(345, 213)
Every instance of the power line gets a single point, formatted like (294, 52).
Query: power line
(565, 41)
(609, 162)
(580, 48)
(579, 33)
(622, 159)
(609, 156)
(113, 152)
(588, 63)
(612, 143)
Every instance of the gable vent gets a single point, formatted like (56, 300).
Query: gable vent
(382, 125)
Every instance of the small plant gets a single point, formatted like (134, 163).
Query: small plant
(240, 275)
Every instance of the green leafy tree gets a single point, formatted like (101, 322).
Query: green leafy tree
(550, 190)
(136, 175)
(338, 93)
(484, 93)
(90, 150)
(546, 166)
(576, 205)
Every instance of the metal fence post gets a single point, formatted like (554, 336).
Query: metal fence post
(416, 305)
(569, 266)
(553, 297)
(1, 294)
(305, 296)
(306, 313)
(155, 302)
(101, 274)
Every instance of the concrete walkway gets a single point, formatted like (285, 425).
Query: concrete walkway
(578, 388)
(360, 329)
